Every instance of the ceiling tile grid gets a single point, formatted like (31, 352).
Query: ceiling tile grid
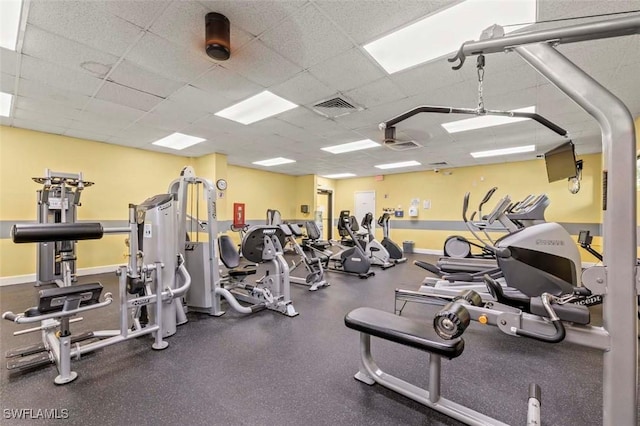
(130, 73)
(262, 65)
(85, 22)
(67, 53)
(307, 38)
(58, 76)
(168, 60)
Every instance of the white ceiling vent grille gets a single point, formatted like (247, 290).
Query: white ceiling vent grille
(397, 145)
(336, 107)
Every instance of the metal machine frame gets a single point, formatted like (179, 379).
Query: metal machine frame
(57, 203)
(157, 279)
(202, 260)
(617, 278)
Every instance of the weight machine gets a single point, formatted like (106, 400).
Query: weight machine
(58, 201)
(150, 279)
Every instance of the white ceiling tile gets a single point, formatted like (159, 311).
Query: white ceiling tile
(183, 24)
(138, 135)
(58, 76)
(347, 71)
(305, 118)
(426, 77)
(47, 107)
(376, 93)
(98, 123)
(164, 122)
(303, 89)
(220, 81)
(262, 65)
(85, 22)
(37, 90)
(52, 119)
(307, 39)
(8, 61)
(67, 53)
(38, 126)
(194, 97)
(87, 134)
(7, 83)
(376, 18)
(114, 111)
(138, 12)
(126, 96)
(180, 111)
(129, 74)
(254, 16)
(168, 60)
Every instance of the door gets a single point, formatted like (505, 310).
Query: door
(365, 202)
(324, 213)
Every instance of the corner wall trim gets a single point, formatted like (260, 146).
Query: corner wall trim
(31, 278)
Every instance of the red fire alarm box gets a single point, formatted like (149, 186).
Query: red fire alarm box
(238, 214)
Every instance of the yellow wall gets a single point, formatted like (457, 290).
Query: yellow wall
(446, 192)
(305, 194)
(121, 175)
(260, 190)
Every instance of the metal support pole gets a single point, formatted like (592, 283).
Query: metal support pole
(619, 225)
(434, 377)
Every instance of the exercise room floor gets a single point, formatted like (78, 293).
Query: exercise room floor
(268, 369)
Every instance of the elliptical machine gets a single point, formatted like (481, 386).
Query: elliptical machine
(351, 260)
(378, 255)
(394, 250)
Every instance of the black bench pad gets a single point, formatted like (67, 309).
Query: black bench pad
(408, 332)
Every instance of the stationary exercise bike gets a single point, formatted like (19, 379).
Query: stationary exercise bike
(378, 255)
(394, 250)
(351, 260)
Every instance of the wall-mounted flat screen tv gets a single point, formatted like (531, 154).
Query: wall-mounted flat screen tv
(561, 162)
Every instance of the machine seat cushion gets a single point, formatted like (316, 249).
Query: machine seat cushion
(408, 332)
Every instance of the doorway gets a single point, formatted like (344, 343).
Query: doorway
(324, 213)
(365, 202)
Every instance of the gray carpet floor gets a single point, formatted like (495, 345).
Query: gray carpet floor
(268, 369)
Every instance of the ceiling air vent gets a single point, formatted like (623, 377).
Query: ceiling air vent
(397, 145)
(335, 107)
(439, 163)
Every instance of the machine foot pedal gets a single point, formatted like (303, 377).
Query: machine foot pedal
(27, 362)
(25, 351)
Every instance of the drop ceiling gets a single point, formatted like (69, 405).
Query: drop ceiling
(132, 72)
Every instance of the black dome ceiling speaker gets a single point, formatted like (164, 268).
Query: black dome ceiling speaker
(217, 36)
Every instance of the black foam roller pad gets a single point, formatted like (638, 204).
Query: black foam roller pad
(42, 233)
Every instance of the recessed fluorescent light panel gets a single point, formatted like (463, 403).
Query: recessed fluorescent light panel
(504, 151)
(339, 176)
(178, 141)
(274, 162)
(444, 32)
(485, 121)
(256, 108)
(5, 104)
(351, 146)
(9, 23)
(398, 165)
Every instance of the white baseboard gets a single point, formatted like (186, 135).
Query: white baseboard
(31, 278)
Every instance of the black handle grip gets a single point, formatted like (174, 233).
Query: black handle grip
(10, 316)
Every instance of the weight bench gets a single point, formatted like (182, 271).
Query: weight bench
(416, 334)
(231, 258)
